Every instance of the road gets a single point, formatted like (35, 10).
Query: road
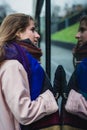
(59, 56)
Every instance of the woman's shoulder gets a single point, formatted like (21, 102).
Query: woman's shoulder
(10, 64)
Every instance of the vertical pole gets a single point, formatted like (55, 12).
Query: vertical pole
(48, 37)
(38, 21)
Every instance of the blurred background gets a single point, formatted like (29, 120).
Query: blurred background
(58, 24)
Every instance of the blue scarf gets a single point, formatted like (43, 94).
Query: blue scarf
(81, 75)
(34, 70)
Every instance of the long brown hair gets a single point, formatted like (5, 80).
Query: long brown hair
(10, 26)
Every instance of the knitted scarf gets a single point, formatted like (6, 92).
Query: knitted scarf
(34, 70)
(80, 52)
(31, 48)
(14, 51)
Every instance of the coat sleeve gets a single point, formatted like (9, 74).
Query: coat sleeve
(16, 91)
(76, 104)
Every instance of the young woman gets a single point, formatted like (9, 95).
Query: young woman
(21, 100)
(79, 102)
(74, 113)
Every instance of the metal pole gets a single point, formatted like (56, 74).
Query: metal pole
(38, 21)
(48, 37)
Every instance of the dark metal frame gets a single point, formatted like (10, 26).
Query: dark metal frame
(47, 32)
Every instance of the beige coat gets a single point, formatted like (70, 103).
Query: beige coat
(76, 104)
(15, 103)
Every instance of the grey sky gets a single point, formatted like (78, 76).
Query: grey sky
(23, 6)
(69, 2)
(26, 6)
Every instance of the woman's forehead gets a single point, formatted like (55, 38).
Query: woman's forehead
(31, 23)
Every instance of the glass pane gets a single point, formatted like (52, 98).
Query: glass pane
(64, 25)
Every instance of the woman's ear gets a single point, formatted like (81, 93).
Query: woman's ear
(18, 35)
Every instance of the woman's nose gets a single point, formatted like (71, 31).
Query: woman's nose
(37, 35)
(77, 35)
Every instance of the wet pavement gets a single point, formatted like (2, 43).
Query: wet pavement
(59, 55)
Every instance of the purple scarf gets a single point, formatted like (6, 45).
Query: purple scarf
(15, 51)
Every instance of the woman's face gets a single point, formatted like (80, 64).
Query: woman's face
(30, 33)
(81, 36)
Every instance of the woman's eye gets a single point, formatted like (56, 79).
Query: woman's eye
(82, 29)
(33, 29)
